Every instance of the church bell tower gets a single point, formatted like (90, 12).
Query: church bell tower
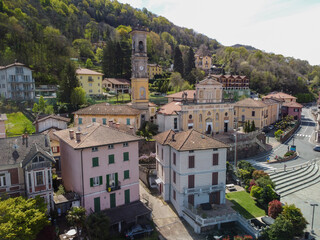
(139, 61)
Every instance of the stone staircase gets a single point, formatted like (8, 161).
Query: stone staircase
(290, 181)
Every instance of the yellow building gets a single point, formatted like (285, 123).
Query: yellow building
(154, 69)
(202, 61)
(251, 110)
(103, 113)
(90, 81)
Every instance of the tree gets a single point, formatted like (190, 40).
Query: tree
(98, 226)
(176, 81)
(258, 174)
(267, 195)
(178, 62)
(68, 82)
(42, 107)
(190, 63)
(294, 215)
(89, 63)
(22, 218)
(281, 229)
(274, 208)
(255, 191)
(76, 217)
(147, 130)
(195, 76)
(78, 97)
(253, 126)
(264, 181)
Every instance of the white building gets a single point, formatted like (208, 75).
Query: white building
(51, 121)
(16, 82)
(191, 169)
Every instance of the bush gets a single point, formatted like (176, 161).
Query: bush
(252, 183)
(265, 181)
(278, 133)
(289, 153)
(258, 173)
(255, 192)
(274, 209)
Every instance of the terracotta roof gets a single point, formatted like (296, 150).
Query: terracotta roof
(249, 102)
(151, 104)
(95, 135)
(209, 81)
(271, 101)
(188, 140)
(170, 108)
(178, 95)
(12, 65)
(280, 95)
(85, 71)
(118, 81)
(107, 109)
(292, 104)
(49, 132)
(54, 117)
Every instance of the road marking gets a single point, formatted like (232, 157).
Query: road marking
(260, 164)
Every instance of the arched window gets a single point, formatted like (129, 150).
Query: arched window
(190, 116)
(200, 117)
(141, 47)
(217, 116)
(226, 114)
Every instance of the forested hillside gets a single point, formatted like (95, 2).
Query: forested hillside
(46, 34)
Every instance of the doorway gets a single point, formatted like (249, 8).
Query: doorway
(225, 127)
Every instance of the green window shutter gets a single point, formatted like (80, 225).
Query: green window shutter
(126, 156)
(116, 179)
(104, 121)
(108, 180)
(100, 180)
(79, 120)
(128, 121)
(95, 162)
(126, 174)
(91, 182)
(127, 196)
(111, 158)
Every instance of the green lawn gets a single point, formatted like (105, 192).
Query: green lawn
(245, 205)
(17, 124)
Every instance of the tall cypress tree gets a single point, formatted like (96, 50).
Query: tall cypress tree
(69, 81)
(178, 62)
(190, 64)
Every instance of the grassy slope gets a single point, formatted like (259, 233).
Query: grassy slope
(17, 123)
(245, 205)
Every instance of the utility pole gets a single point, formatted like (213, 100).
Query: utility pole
(235, 150)
(313, 205)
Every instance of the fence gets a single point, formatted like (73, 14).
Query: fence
(288, 134)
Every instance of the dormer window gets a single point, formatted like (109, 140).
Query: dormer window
(38, 159)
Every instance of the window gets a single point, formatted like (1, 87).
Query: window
(110, 146)
(95, 162)
(226, 114)
(161, 170)
(30, 181)
(90, 90)
(191, 161)
(104, 121)
(80, 77)
(190, 116)
(174, 194)
(243, 118)
(111, 158)
(200, 117)
(175, 123)
(128, 121)
(90, 84)
(174, 158)
(98, 83)
(55, 149)
(38, 159)
(112, 180)
(3, 181)
(95, 181)
(215, 159)
(126, 156)
(190, 125)
(126, 174)
(93, 119)
(125, 144)
(39, 178)
(174, 177)
(80, 121)
(215, 178)
(253, 113)
(94, 149)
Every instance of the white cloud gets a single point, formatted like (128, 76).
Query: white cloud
(279, 26)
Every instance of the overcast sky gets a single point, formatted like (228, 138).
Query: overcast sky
(287, 27)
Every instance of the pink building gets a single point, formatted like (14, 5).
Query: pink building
(292, 109)
(100, 163)
(3, 118)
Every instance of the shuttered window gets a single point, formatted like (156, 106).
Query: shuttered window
(215, 159)
(126, 156)
(111, 158)
(126, 174)
(191, 161)
(95, 162)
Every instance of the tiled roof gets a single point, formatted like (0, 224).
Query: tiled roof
(12, 65)
(151, 104)
(178, 95)
(49, 132)
(170, 108)
(188, 140)
(118, 81)
(85, 71)
(292, 104)
(13, 147)
(54, 117)
(107, 109)
(249, 102)
(280, 95)
(95, 135)
(271, 101)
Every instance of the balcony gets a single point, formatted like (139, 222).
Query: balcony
(38, 165)
(204, 189)
(113, 187)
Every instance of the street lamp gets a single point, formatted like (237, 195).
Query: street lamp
(313, 205)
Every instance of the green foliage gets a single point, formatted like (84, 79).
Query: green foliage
(244, 175)
(22, 218)
(264, 181)
(68, 82)
(281, 229)
(176, 81)
(253, 126)
(78, 97)
(278, 133)
(246, 166)
(18, 124)
(147, 130)
(256, 191)
(258, 173)
(178, 62)
(76, 216)
(306, 97)
(42, 107)
(190, 63)
(266, 196)
(294, 215)
(61, 190)
(89, 63)
(98, 226)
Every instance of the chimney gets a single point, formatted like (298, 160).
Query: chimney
(110, 123)
(71, 134)
(132, 130)
(117, 125)
(78, 136)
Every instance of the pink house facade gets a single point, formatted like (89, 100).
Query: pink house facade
(100, 164)
(292, 109)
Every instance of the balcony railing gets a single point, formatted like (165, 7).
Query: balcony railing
(38, 165)
(204, 189)
(111, 188)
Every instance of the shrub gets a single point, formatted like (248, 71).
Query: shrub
(256, 191)
(252, 183)
(258, 173)
(289, 153)
(274, 209)
(278, 133)
(265, 181)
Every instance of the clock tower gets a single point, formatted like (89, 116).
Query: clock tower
(139, 61)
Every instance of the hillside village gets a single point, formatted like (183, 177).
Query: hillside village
(142, 143)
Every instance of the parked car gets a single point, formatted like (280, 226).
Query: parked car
(138, 231)
(317, 148)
